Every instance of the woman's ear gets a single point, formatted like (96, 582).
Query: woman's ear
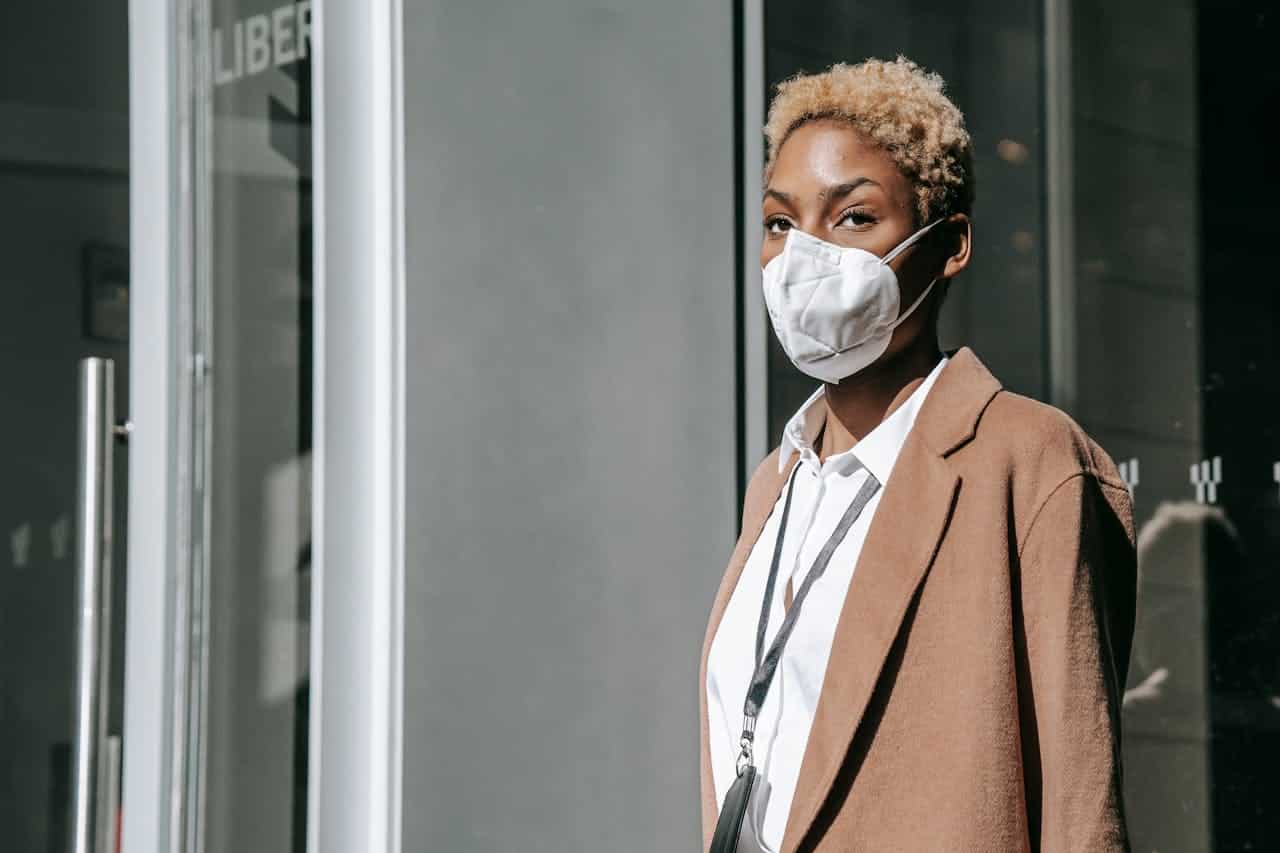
(960, 228)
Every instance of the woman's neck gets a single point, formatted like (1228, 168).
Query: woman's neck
(858, 404)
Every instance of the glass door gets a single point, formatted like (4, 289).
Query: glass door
(252, 333)
(178, 659)
(64, 237)
(217, 715)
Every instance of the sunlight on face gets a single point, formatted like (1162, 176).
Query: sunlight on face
(830, 182)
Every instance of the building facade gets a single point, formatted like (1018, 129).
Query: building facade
(438, 363)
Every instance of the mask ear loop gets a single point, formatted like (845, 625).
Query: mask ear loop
(914, 305)
(909, 242)
(898, 250)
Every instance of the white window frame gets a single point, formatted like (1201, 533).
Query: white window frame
(357, 651)
(160, 388)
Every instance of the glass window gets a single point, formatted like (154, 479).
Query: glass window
(254, 324)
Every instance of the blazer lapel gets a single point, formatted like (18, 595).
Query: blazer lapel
(908, 527)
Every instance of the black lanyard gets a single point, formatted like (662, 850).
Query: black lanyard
(733, 811)
(767, 662)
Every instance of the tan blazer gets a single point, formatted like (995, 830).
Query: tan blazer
(972, 699)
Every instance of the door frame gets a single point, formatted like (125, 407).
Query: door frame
(354, 772)
(161, 375)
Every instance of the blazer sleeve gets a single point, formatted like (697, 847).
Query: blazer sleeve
(1078, 584)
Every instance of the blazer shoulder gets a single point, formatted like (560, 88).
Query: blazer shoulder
(1040, 449)
(765, 482)
(1043, 443)
(766, 472)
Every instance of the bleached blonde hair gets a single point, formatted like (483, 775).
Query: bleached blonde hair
(898, 106)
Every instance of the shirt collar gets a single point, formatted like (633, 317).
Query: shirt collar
(878, 450)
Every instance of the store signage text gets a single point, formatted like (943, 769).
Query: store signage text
(259, 42)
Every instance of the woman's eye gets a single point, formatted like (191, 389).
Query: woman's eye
(777, 226)
(855, 218)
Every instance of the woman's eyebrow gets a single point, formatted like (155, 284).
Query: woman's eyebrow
(841, 190)
(832, 192)
(785, 198)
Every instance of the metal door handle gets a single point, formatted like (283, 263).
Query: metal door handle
(91, 820)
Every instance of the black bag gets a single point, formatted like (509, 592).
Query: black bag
(734, 812)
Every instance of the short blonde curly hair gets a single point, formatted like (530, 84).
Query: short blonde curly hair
(898, 106)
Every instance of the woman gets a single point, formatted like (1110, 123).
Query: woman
(922, 636)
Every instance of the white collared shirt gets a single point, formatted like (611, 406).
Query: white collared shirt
(823, 491)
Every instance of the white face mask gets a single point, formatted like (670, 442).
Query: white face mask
(833, 308)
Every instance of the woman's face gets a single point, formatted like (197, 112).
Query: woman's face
(830, 182)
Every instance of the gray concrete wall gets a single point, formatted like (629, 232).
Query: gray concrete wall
(570, 423)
